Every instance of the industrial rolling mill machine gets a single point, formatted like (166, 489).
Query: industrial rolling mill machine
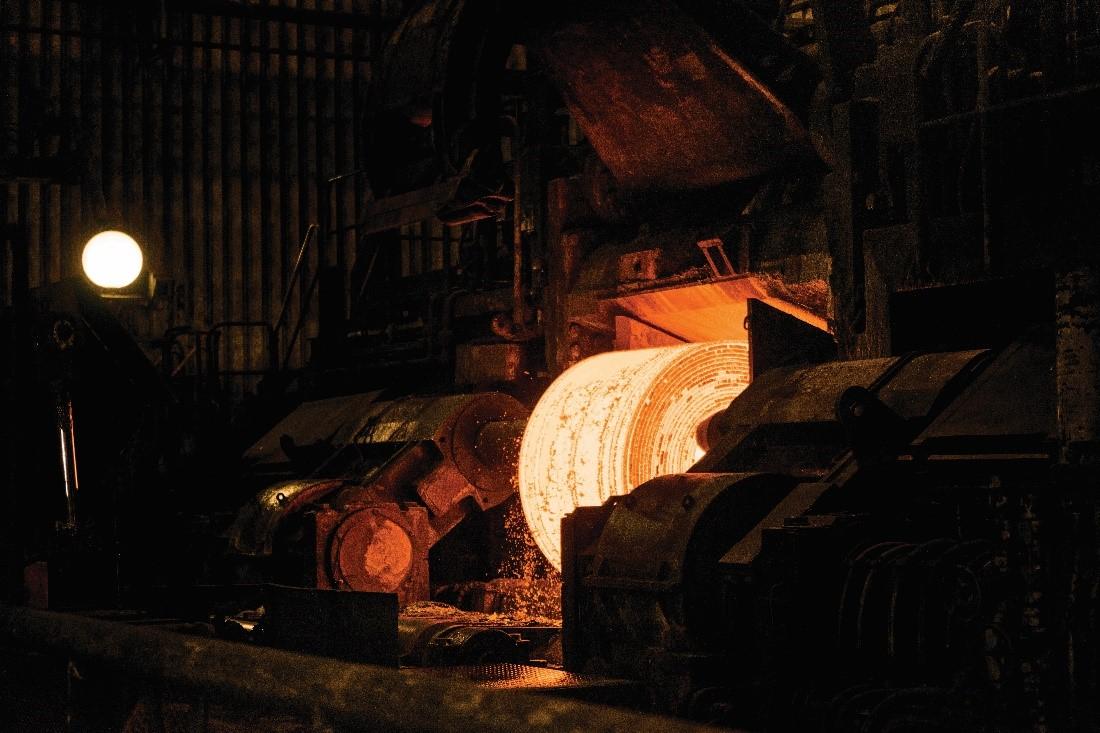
(767, 393)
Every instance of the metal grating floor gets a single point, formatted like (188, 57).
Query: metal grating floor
(527, 678)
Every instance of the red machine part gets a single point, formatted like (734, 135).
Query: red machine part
(379, 548)
(451, 455)
(428, 462)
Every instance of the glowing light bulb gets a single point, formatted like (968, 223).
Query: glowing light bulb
(112, 259)
(616, 420)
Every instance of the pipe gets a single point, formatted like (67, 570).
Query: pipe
(363, 696)
(67, 440)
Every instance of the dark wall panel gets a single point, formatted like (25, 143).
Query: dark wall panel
(209, 129)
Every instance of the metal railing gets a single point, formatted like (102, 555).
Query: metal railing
(297, 277)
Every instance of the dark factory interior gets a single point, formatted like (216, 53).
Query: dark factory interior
(619, 365)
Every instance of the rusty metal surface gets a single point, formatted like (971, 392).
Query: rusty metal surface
(649, 595)
(253, 530)
(452, 423)
(358, 696)
(379, 548)
(1013, 397)
(423, 464)
(489, 363)
(916, 388)
(492, 481)
(329, 424)
(710, 311)
(800, 394)
(410, 419)
(787, 419)
(653, 565)
(662, 103)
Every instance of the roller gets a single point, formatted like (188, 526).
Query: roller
(616, 420)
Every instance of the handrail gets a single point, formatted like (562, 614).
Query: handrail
(294, 332)
(280, 356)
(311, 234)
(316, 231)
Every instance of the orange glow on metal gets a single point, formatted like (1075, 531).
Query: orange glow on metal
(616, 420)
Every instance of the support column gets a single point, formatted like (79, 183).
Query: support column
(1078, 363)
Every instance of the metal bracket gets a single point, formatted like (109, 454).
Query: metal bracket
(707, 247)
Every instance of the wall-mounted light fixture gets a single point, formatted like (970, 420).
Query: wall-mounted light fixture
(114, 263)
(112, 259)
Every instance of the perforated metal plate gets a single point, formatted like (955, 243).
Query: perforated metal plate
(547, 680)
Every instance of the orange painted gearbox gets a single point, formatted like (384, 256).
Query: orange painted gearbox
(616, 420)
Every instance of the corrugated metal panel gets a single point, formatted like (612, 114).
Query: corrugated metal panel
(209, 134)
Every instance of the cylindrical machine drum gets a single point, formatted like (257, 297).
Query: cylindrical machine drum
(616, 420)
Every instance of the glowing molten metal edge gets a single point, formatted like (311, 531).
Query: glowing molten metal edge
(616, 420)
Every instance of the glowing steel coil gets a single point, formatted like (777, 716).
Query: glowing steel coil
(616, 420)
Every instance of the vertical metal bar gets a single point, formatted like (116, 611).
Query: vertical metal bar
(228, 242)
(152, 175)
(982, 103)
(325, 132)
(283, 92)
(362, 46)
(67, 443)
(247, 205)
(23, 136)
(302, 88)
(128, 157)
(55, 191)
(90, 106)
(69, 87)
(8, 79)
(176, 110)
(165, 171)
(341, 141)
(270, 265)
(48, 242)
(210, 191)
(111, 57)
(193, 154)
